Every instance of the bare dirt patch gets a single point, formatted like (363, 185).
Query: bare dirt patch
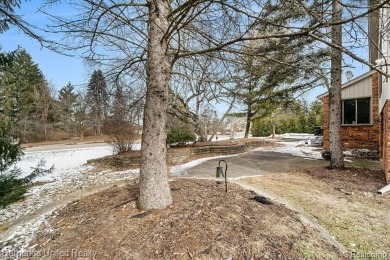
(203, 223)
(344, 201)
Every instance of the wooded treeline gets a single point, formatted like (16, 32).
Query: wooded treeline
(31, 110)
(298, 117)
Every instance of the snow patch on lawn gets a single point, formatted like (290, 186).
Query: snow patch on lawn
(70, 174)
(302, 136)
(297, 148)
(62, 160)
(179, 170)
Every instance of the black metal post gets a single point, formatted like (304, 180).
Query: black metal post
(225, 175)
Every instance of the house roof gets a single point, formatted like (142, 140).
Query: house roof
(350, 83)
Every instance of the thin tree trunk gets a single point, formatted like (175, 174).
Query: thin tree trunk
(273, 129)
(97, 123)
(45, 130)
(211, 136)
(154, 187)
(248, 121)
(198, 127)
(337, 160)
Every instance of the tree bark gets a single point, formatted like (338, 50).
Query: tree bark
(248, 120)
(154, 187)
(45, 131)
(373, 32)
(273, 129)
(337, 160)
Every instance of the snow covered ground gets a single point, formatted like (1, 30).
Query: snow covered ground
(180, 170)
(71, 174)
(298, 146)
(64, 160)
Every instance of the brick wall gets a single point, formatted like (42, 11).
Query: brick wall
(359, 136)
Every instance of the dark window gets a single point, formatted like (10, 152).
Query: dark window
(350, 111)
(356, 111)
(363, 111)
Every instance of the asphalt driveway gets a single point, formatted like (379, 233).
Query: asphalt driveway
(254, 163)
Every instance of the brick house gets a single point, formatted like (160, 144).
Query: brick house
(360, 125)
(366, 102)
(365, 116)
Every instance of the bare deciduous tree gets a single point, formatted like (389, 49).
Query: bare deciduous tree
(199, 84)
(81, 114)
(148, 37)
(43, 99)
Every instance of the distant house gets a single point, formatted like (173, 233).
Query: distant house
(366, 105)
(234, 124)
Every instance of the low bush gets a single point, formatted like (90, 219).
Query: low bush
(121, 134)
(261, 128)
(12, 187)
(180, 136)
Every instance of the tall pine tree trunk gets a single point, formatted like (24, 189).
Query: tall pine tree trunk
(154, 187)
(337, 160)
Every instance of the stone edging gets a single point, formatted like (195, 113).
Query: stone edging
(185, 154)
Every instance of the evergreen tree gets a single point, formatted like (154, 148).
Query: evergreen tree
(301, 114)
(66, 101)
(274, 69)
(18, 84)
(262, 127)
(315, 116)
(293, 119)
(15, 90)
(120, 109)
(97, 99)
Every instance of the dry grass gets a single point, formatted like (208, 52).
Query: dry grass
(345, 202)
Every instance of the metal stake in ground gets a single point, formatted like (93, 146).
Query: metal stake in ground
(220, 172)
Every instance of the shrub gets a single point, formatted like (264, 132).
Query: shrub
(121, 134)
(12, 188)
(261, 128)
(58, 136)
(9, 153)
(180, 136)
